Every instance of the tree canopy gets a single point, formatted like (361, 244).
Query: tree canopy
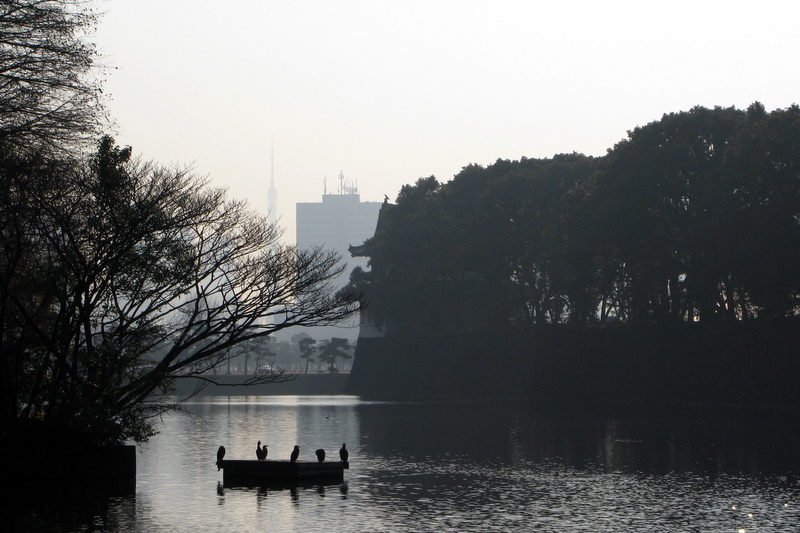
(49, 95)
(333, 349)
(694, 217)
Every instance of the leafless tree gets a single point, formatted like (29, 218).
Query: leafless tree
(49, 95)
(130, 276)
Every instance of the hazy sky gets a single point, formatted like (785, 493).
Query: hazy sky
(390, 91)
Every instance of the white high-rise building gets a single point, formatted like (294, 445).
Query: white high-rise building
(340, 220)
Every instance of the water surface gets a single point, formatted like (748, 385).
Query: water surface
(450, 466)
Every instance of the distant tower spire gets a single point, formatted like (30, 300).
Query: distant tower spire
(272, 194)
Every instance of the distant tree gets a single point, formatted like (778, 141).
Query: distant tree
(297, 337)
(118, 277)
(333, 349)
(307, 349)
(257, 349)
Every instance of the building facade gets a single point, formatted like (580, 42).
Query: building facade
(340, 220)
(337, 222)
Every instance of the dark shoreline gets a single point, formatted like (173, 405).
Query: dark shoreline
(752, 364)
(317, 384)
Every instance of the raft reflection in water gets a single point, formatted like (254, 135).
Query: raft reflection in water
(255, 472)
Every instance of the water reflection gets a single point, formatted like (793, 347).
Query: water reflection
(452, 466)
(74, 506)
(576, 472)
(516, 435)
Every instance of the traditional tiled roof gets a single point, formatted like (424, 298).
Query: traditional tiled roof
(360, 250)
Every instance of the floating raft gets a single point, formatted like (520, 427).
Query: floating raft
(280, 472)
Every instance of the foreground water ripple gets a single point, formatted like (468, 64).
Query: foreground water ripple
(448, 467)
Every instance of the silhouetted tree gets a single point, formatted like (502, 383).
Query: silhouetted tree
(658, 191)
(537, 253)
(762, 239)
(307, 349)
(47, 98)
(699, 213)
(118, 277)
(333, 349)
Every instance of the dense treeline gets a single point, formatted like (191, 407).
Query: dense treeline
(695, 217)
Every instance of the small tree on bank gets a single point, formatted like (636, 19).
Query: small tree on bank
(307, 349)
(333, 349)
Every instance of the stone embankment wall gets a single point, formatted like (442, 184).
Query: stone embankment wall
(742, 364)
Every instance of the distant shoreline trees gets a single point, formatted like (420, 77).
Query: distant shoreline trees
(695, 217)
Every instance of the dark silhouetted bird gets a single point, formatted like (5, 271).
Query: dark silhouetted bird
(295, 454)
(265, 450)
(343, 453)
(220, 456)
(320, 455)
(259, 452)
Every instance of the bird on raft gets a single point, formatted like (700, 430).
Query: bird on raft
(260, 455)
(295, 454)
(220, 456)
(343, 453)
(265, 450)
(320, 455)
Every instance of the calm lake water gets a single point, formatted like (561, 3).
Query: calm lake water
(449, 466)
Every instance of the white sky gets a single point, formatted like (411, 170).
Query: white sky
(391, 91)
